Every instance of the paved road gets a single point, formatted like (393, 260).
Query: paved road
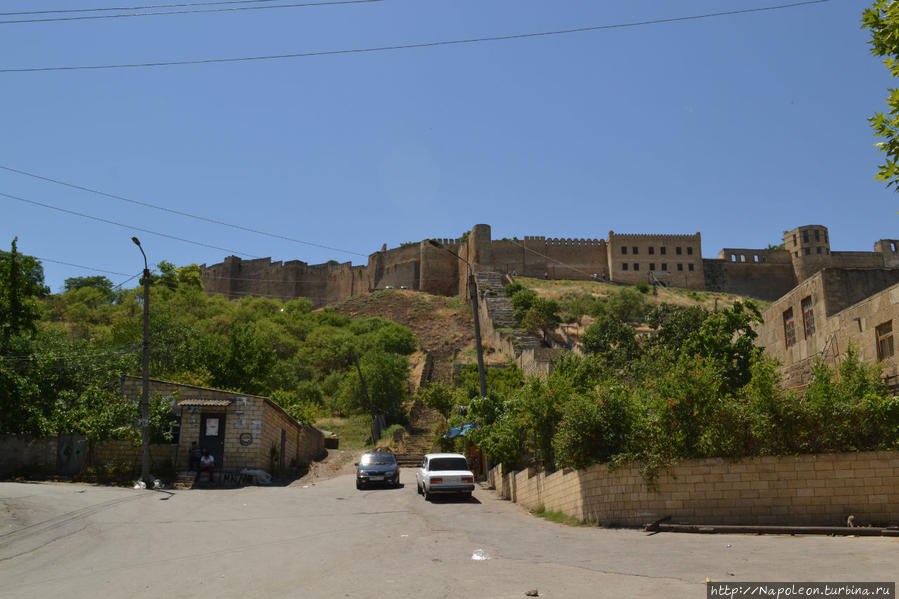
(330, 540)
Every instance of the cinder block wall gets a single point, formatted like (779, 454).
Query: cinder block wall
(794, 490)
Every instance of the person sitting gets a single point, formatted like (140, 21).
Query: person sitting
(207, 464)
(195, 455)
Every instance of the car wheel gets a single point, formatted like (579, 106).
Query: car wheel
(418, 487)
(426, 494)
(358, 485)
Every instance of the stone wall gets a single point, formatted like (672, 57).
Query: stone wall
(761, 273)
(17, 453)
(126, 452)
(834, 324)
(793, 490)
(764, 280)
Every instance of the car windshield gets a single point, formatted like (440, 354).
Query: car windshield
(448, 464)
(372, 459)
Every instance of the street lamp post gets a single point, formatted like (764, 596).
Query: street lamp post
(145, 391)
(473, 287)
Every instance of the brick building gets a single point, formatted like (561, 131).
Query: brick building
(240, 430)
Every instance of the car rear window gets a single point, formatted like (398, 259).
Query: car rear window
(448, 464)
(371, 459)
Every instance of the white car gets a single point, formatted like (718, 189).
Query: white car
(444, 473)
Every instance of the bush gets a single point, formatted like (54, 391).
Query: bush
(642, 286)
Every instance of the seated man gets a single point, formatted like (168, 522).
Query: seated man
(207, 464)
(195, 455)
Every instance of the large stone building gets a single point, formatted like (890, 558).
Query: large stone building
(825, 313)
(674, 260)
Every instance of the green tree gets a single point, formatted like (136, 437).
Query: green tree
(542, 316)
(882, 20)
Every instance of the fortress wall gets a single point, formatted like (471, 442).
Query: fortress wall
(324, 284)
(396, 267)
(755, 256)
(763, 281)
(856, 260)
(439, 271)
(889, 250)
(843, 288)
(562, 258)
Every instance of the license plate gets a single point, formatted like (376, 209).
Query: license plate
(375, 478)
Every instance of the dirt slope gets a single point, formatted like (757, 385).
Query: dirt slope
(443, 325)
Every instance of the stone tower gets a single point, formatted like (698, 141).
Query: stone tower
(809, 247)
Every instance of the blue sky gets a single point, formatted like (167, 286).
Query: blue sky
(737, 126)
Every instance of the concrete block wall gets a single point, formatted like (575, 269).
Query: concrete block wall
(791, 490)
(17, 452)
(126, 452)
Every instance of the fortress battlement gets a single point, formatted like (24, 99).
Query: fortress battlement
(763, 273)
(651, 236)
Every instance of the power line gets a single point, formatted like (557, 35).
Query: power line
(183, 12)
(415, 45)
(91, 268)
(178, 212)
(111, 8)
(124, 226)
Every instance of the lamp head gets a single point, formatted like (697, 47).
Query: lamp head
(136, 241)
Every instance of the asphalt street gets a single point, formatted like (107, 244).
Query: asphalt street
(331, 540)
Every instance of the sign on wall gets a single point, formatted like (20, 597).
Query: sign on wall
(212, 427)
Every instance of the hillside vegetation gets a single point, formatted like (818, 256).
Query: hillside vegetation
(663, 374)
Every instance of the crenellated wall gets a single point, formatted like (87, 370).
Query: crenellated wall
(673, 260)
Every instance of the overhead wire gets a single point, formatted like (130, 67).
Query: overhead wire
(395, 47)
(186, 12)
(111, 8)
(178, 212)
(124, 226)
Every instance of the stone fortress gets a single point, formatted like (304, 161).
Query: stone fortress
(671, 260)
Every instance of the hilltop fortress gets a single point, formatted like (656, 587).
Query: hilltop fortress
(674, 260)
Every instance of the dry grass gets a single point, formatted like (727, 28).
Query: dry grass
(675, 296)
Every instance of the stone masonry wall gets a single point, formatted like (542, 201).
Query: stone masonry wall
(793, 490)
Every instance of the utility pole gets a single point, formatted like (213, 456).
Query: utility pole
(473, 289)
(145, 391)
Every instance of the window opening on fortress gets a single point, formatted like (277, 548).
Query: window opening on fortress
(819, 250)
(794, 240)
(677, 250)
(652, 250)
(689, 251)
(624, 266)
(805, 236)
(893, 246)
(742, 258)
(652, 266)
(635, 250)
(662, 250)
(808, 317)
(885, 340)
(817, 235)
(680, 267)
(636, 266)
(690, 267)
(755, 258)
(789, 329)
(624, 250)
(808, 251)
(664, 266)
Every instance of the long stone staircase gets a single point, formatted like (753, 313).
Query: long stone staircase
(421, 435)
(501, 313)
